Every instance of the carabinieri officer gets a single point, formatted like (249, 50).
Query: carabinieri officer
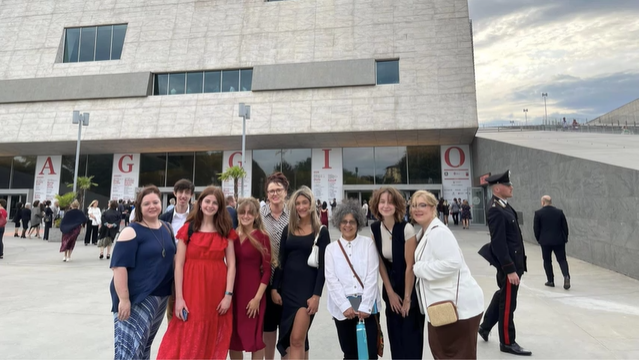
(506, 252)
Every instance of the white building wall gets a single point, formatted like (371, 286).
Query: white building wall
(431, 38)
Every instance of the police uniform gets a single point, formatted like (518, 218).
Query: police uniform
(506, 252)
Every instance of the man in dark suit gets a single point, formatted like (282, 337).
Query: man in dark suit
(506, 252)
(230, 206)
(551, 231)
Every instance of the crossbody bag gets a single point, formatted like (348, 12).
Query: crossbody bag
(380, 334)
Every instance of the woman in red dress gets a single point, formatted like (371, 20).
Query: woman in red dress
(203, 283)
(253, 255)
(324, 215)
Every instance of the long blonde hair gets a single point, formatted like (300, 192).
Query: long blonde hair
(294, 218)
(253, 206)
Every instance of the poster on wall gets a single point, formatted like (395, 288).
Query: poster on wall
(47, 177)
(126, 176)
(456, 173)
(326, 164)
(233, 158)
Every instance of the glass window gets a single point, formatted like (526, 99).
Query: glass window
(230, 80)
(152, 169)
(178, 166)
(161, 84)
(359, 165)
(87, 44)
(208, 166)
(424, 165)
(194, 82)
(119, 31)
(100, 166)
(390, 165)
(265, 162)
(212, 81)
(296, 166)
(103, 43)
(71, 45)
(5, 171)
(67, 169)
(176, 83)
(388, 72)
(23, 172)
(246, 79)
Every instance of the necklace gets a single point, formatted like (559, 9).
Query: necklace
(156, 238)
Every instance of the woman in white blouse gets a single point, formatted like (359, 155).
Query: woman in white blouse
(93, 224)
(442, 275)
(350, 300)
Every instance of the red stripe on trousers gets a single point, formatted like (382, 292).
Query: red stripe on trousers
(507, 312)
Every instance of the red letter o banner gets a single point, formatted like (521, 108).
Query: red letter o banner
(462, 157)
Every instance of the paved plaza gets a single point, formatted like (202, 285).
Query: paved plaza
(56, 310)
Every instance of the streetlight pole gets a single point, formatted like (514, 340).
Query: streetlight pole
(80, 120)
(245, 113)
(526, 115)
(545, 95)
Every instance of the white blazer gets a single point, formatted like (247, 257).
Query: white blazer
(438, 264)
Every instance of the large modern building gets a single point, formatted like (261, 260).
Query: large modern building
(344, 95)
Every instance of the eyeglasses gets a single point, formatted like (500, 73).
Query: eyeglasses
(275, 191)
(349, 222)
(420, 205)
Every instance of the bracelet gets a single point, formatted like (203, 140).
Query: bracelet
(227, 293)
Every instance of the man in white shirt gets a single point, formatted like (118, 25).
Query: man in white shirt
(183, 191)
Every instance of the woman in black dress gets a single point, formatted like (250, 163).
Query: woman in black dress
(17, 217)
(465, 214)
(296, 285)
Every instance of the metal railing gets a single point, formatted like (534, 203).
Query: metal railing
(619, 128)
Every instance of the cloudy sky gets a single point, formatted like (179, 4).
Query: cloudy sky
(583, 53)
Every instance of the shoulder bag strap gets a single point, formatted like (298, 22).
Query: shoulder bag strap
(349, 264)
(317, 235)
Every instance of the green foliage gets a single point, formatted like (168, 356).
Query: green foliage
(84, 184)
(236, 173)
(65, 200)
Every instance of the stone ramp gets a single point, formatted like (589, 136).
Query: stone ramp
(56, 310)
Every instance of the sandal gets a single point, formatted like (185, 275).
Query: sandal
(101, 256)
(108, 256)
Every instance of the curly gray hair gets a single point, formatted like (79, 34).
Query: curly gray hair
(352, 207)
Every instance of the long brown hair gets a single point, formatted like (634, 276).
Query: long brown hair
(221, 219)
(294, 219)
(253, 207)
(138, 201)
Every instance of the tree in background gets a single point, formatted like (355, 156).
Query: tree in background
(236, 173)
(84, 184)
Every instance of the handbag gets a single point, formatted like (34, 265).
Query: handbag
(444, 312)
(439, 313)
(313, 258)
(380, 334)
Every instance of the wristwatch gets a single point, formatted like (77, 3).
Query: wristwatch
(227, 293)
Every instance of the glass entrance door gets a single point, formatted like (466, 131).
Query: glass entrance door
(478, 203)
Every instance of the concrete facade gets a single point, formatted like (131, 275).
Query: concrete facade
(601, 201)
(431, 39)
(627, 114)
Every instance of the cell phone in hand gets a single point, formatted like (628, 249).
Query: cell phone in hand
(185, 314)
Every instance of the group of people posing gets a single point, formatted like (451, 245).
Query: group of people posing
(226, 291)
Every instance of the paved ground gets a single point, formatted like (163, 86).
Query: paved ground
(56, 310)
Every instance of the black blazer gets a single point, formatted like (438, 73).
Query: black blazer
(506, 242)
(551, 228)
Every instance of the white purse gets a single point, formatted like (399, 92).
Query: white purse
(313, 259)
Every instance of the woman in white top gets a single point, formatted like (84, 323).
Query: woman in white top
(350, 301)
(95, 218)
(442, 275)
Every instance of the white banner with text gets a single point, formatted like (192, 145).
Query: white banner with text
(126, 176)
(456, 173)
(47, 177)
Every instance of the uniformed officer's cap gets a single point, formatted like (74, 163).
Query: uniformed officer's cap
(501, 178)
